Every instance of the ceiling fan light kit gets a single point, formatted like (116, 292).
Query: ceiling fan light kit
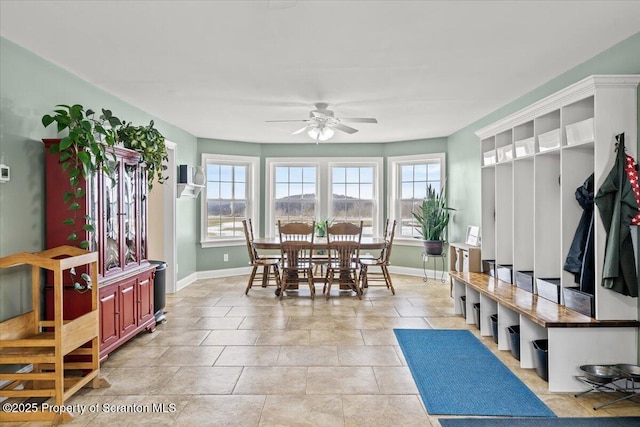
(322, 123)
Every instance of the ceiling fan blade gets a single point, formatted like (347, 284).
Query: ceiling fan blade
(301, 130)
(343, 128)
(359, 120)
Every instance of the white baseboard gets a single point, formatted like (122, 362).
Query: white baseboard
(227, 272)
(239, 271)
(186, 281)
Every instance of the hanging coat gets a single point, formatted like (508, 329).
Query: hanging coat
(617, 205)
(579, 260)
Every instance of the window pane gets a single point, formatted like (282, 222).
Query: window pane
(366, 175)
(309, 174)
(240, 190)
(240, 173)
(227, 193)
(295, 190)
(309, 191)
(226, 190)
(339, 175)
(282, 174)
(406, 190)
(353, 174)
(295, 174)
(366, 191)
(406, 173)
(282, 190)
(420, 172)
(413, 189)
(353, 190)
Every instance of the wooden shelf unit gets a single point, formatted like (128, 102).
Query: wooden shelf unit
(43, 344)
(464, 257)
(529, 219)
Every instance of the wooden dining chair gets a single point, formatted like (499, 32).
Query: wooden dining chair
(269, 265)
(382, 261)
(296, 250)
(343, 250)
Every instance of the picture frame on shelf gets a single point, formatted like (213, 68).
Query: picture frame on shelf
(473, 235)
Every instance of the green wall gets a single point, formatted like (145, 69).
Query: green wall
(29, 88)
(405, 256)
(464, 145)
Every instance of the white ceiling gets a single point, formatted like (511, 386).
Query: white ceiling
(221, 69)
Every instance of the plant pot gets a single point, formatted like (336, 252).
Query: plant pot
(433, 247)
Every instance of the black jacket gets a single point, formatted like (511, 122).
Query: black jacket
(580, 257)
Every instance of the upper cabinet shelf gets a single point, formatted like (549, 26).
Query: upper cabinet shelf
(532, 163)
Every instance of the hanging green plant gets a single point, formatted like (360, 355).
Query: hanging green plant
(83, 152)
(149, 142)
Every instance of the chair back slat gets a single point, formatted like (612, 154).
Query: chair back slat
(389, 241)
(248, 235)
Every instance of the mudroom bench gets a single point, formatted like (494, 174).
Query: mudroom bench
(574, 339)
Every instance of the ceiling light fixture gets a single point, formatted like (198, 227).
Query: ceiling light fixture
(321, 133)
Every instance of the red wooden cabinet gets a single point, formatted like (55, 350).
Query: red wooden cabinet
(117, 204)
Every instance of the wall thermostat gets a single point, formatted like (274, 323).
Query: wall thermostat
(5, 173)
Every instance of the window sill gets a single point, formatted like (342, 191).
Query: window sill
(222, 243)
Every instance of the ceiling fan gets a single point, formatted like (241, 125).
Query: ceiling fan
(322, 123)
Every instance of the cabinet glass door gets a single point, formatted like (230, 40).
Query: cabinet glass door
(143, 212)
(129, 207)
(112, 218)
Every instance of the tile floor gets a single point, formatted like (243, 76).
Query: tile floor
(226, 359)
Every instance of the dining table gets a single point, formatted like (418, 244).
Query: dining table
(320, 245)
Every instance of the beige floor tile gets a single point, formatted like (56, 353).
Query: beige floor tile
(175, 322)
(359, 323)
(231, 337)
(132, 356)
(228, 411)
(368, 355)
(189, 356)
(178, 338)
(203, 380)
(384, 311)
(336, 337)
(148, 380)
(263, 322)
(272, 380)
(207, 301)
(384, 410)
(313, 323)
(198, 311)
(341, 380)
(393, 380)
(240, 355)
(405, 323)
(421, 311)
(253, 310)
(217, 323)
(284, 337)
(379, 337)
(331, 311)
(295, 410)
(308, 355)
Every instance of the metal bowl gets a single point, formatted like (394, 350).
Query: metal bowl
(629, 371)
(602, 374)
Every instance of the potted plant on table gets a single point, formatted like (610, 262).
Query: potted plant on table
(433, 216)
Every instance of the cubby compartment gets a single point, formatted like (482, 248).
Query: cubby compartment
(489, 267)
(524, 280)
(579, 301)
(549, 289)
(505, 272)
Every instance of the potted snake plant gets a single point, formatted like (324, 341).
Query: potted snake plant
(433, 216)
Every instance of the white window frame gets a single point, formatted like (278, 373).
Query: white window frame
(394, 182)
(323, 182)
(252, 192)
